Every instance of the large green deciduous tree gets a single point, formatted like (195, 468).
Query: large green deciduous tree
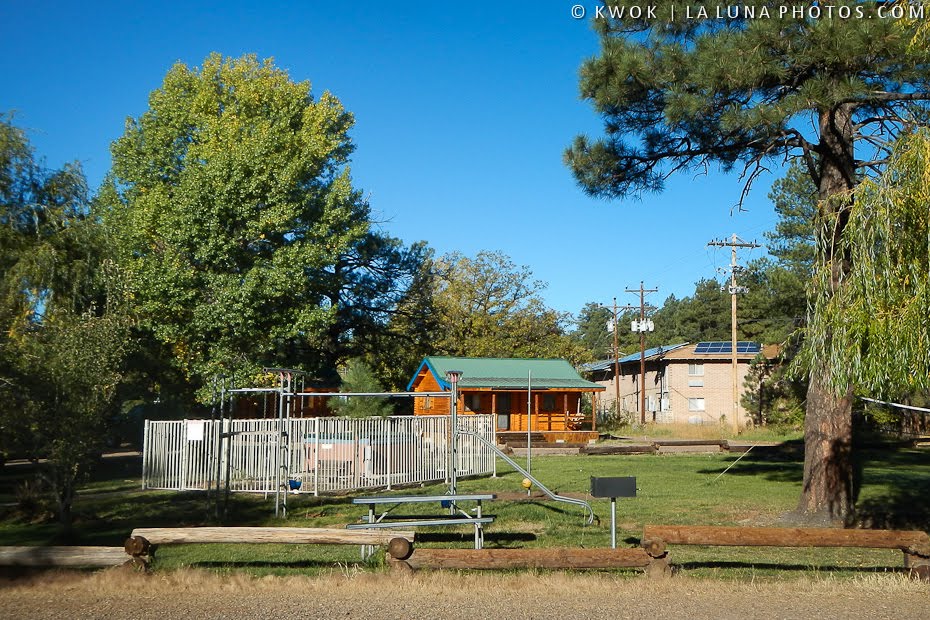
(239, 224)
(489, 307)
(64, 331)
(681, 93)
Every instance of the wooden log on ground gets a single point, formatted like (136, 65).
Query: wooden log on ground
(75, 557)
(720, 443)
(909, 541)
(399, 548)
(655, 548)
(608, 450)
(261, 535)
(137, 546)
(552, 558)
(918, 566)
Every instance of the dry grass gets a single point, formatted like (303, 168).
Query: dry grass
(704, 431)
(186, 594)
(447, 583)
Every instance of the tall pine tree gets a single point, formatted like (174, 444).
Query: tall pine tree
(813, 80)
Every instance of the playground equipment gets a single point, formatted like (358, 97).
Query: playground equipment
(554, 496)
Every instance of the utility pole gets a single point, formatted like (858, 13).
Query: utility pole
(612, 326)
(734, 243)
(642, 326)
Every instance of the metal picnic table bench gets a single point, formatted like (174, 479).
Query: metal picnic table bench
(383, 520)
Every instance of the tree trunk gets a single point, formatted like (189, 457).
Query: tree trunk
(827, 492)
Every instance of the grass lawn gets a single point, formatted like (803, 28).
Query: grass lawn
(759, 490)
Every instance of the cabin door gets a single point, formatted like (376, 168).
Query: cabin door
(503, 412)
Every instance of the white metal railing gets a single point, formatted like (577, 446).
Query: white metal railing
(314, 454)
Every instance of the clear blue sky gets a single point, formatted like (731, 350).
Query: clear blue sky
(462, 113)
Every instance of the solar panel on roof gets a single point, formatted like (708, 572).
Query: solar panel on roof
(709, 348)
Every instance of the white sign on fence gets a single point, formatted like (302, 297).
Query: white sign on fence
(195, 430)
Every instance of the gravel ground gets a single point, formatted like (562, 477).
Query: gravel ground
(194, 595)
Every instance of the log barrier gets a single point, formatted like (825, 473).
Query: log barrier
(403, 558)
(915, 544)
(65, 557)
(143, 541)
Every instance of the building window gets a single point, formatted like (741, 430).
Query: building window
(695, 404)
(473, 402)
(696, 369)
(695, 382)
(427, 403)
(547, 402)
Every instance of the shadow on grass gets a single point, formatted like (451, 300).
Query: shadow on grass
(109, 518)
(783, 463)
(778, 567)
(896, 491)
(892, 480)
(317, 564)
(489, 537)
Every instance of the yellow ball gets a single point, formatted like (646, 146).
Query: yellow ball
(527, 483)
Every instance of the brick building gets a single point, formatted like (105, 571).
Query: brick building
(685, 383)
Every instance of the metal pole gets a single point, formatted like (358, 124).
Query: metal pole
(219, 446)
(529, 422)
(453, 377)
(277, 452)
(613, 522)
(285, 439)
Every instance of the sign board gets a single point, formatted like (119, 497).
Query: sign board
(195, 430)
(613, 487)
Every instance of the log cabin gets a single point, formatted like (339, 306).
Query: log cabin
(550, 388)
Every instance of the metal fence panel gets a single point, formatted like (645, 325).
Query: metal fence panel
(315, 455)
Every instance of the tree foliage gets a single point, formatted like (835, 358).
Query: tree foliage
(411, 331)
(592, 332)
(246, 242)
(681, 93)
(489, 307)
(359, 378)
(873, 332)
(64, 330)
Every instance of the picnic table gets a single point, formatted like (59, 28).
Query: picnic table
(457, 515)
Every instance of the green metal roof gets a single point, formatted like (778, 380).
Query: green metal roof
(485, 372)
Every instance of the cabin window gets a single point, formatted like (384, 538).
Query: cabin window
(427, 403)
(547, 402)
(696, 369)
(473, 402)
(695, 404)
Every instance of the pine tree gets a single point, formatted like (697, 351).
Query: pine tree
(359, 378)
(799, 79)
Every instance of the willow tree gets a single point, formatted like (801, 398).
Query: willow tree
(64, 331)
(829, 82)
(874, 330)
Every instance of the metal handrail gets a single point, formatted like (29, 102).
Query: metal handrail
(559, 498)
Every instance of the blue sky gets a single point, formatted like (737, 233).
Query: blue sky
(462, 113)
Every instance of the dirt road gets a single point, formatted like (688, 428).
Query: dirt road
(194, 595)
